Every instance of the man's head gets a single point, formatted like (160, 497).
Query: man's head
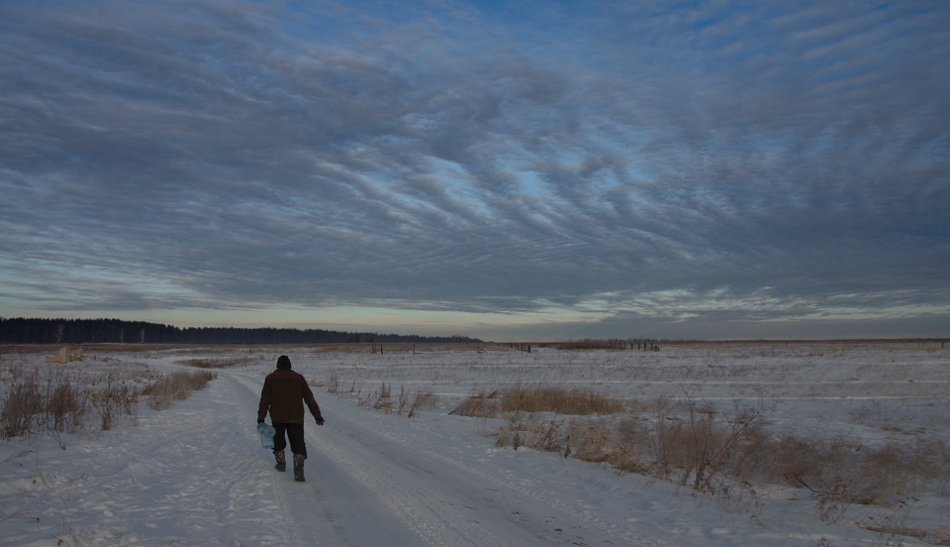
(283, 363)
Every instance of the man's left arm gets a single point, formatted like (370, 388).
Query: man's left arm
(312, 403)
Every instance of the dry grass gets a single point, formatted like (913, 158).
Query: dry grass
(64, 399)
(218, 363)
(112, 399)
(404, 404)
(177, 386)
(840, 471)
(695, 445)
(521, 398)
(333, 384)
(422, 400)
(380, 399)
(54, 399)
(557, 399)
(479, 405)
(732, 452)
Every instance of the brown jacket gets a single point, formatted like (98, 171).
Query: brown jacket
(283, 394)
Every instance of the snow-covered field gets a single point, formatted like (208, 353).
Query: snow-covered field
(195, 474)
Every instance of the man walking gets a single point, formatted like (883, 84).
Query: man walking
(283, 395)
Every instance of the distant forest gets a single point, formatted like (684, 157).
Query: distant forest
(106, 331)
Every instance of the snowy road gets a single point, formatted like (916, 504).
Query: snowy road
(375, 479)
(196, 475)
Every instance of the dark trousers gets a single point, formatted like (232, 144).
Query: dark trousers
(294, 433)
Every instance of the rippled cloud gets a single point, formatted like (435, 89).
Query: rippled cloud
(666, 169)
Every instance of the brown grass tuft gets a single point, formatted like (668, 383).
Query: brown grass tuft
(217, 363)
(423, 401)
(404, 404)
(479, 405)
(177, 386)
(696, 445)
(57, 400)
(557, 399)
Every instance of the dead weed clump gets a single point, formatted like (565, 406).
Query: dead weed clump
(720, 452)
(685, 442)
(217, 363)
(380, 399)
(479, 405)
(694, 446)
(60, 401)
(404, 404)
(112, 399)
(25, 407)
(423, 400)
(531, 431)
(177, 386)
(841, 472)
(557, 399)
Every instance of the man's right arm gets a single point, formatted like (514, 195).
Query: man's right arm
(265, 401)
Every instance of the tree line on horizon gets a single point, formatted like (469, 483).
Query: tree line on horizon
(116, 331)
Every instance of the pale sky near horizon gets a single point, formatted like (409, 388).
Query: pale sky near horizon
(512, 171)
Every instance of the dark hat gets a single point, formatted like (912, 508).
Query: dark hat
(283, 362)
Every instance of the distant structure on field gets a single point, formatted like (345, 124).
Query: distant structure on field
(65, 356)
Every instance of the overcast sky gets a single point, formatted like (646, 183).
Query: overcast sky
(513, 171)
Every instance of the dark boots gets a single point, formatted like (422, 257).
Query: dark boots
(298, 464)
(298, 467)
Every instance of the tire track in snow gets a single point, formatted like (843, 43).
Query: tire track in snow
(534, 504)
(333, 507)
(435, 520)
(536, 497)
(377, 487)
(391, 496)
